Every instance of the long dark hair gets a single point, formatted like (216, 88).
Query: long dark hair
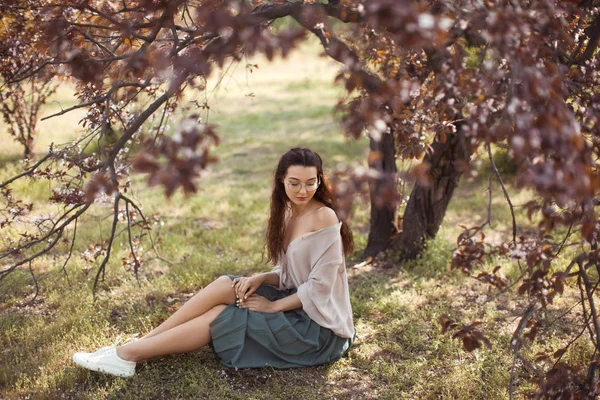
(275, 229)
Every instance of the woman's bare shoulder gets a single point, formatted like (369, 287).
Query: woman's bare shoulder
(324, 217)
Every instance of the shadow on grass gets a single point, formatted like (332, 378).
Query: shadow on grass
(8, 159)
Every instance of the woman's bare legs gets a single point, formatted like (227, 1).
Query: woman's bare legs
(216, 293)
(187, 336)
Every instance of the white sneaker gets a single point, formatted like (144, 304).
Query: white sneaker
(106, 360)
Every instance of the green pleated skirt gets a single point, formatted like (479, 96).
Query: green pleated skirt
(242, 338)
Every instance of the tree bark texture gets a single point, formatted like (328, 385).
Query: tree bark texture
(382, 226)
(429, 200)
(28, 147)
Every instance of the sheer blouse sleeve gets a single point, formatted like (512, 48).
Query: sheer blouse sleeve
(324, 295)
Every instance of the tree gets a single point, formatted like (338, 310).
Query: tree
(20, 108)
(428, 80)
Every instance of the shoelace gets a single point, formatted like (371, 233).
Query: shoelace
(105, 349)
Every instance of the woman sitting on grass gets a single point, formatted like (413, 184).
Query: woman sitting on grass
(297, 315)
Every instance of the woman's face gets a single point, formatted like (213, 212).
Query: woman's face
(300, 183)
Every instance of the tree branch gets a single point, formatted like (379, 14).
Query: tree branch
(27, 172)
(110, 242)
(512, 211)
(592, 42)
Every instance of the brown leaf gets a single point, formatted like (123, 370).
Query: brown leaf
(470, 343)
(523, 288)
(559, 282)
(541, 356)
(530, 335)
(421, 173)
(559, 353)
(587, 230)
(145, 162)
(446, 323)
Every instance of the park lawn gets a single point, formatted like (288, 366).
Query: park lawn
(400, 351)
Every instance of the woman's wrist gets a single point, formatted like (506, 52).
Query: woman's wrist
(276, 306)
(287, 303)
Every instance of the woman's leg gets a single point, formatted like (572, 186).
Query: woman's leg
(216, 293)
(188, 336)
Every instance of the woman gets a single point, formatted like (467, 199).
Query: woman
(298, 314)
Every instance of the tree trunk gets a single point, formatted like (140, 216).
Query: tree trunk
(429, 200)
(28, 148)
(382, 159)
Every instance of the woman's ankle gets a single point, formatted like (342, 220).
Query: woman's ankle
(125, 353)
(149, 335)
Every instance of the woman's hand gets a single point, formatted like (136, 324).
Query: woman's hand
(256, 302)
(244, 287)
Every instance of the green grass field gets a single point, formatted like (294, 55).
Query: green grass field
(400, 352)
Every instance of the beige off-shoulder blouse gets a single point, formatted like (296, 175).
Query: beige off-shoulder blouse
(315, 264)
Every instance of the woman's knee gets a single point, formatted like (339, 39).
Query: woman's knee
(224, 279)
(228, 291)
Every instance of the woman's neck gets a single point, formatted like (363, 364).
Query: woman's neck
(299, 211)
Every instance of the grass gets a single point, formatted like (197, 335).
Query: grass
(400, 352)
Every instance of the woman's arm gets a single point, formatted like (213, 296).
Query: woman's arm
(255, 302)
(245, 286)
(287, 303)
(270, 278)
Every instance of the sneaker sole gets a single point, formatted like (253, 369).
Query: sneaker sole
(93, 367)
